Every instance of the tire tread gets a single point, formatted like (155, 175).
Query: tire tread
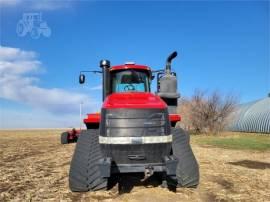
(187, 171)
(84, 172)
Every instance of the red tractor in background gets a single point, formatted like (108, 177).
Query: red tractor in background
(70, 136)
(134, 132)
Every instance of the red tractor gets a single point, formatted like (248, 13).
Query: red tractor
(135, 131)
(70, 136)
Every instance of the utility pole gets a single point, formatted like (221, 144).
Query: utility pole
(81, 115)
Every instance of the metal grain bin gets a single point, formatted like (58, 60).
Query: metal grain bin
(252, 117)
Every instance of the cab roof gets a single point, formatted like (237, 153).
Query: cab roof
(130, 66)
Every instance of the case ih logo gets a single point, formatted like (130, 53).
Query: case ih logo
(33, 24)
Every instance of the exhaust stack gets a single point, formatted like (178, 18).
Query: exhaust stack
(167, 85)
(169, 62)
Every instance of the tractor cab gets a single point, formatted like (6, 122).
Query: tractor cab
(130, 78)
(128, 86)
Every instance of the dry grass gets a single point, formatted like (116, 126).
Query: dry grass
(34, 167)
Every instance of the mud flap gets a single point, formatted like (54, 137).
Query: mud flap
(171, 165)
(105, 167)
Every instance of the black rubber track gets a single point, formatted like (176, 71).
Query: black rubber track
(187, 171)
(84, 174)
(64, 138)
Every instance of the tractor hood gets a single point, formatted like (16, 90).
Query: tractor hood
(133, 100)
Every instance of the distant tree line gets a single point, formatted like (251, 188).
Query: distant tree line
(206, 112)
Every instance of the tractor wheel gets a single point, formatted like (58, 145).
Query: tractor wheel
(64, 138)
(187, 171)
(35, 32)
(84, 174)
(21, 28)
(46, 32)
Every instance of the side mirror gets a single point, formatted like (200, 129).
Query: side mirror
(81, 78)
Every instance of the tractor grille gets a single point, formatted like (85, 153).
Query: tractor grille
(134, 122)
(133, 126)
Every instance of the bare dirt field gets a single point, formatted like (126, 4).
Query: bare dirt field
(34, 166)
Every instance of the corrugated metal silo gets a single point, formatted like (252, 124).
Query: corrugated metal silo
(252, 117)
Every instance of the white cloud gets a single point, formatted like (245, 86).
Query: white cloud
(36, 118)
(39, 4)
(8, 53)
(51, 5)
(17, 85)
(99, 87)
(14, 61)
(10, 2)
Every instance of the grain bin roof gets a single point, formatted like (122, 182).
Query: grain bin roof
(252, 117)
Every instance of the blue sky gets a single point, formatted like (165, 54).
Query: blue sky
(222, 46)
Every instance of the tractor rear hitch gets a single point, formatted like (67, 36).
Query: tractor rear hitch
(169, 167)
(148, 172)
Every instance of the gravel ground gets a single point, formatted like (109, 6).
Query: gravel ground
(34, 166)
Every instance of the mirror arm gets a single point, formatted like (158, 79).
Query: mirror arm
(95, 72)
(82, 76)
(158, 71)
